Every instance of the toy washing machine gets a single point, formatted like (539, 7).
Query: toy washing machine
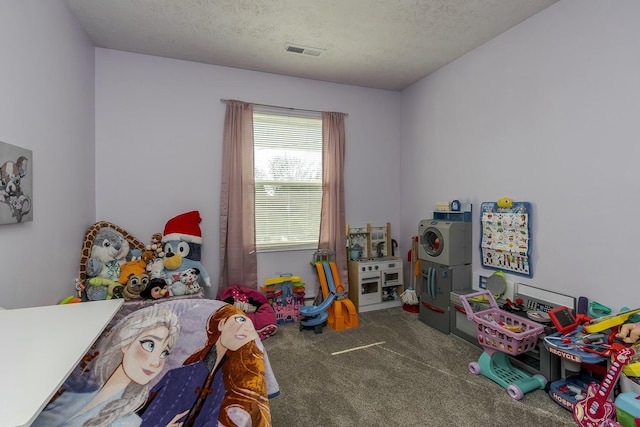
(445, 242)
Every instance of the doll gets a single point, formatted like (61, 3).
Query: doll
(629, 332)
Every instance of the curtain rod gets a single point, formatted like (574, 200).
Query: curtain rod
(283, 108)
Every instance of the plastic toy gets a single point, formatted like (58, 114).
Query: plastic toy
(285, 294)
(628, 408)
(608, 322)
(71, 299)
(280, 280)
(494, 335)
(581, 346)
(596, 408)
(563, 319)
(336, 310)
(578, 348)
(505, 202)
(597, 310)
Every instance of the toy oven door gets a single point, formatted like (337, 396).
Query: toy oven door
(460, 326)
(370, 292)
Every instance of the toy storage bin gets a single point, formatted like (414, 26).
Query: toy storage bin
(629, 383)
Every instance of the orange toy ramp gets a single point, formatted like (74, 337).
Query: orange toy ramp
(342, 313)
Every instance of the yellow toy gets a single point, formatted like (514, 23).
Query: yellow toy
(608, 322)
(505, 202)
(281, 279)
(270, 287)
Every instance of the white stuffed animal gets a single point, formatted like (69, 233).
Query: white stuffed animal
(186, 282)
(155, 269)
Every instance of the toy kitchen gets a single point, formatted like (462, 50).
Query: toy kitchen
(376, 275)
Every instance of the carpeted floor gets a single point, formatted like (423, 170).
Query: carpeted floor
(392, 370)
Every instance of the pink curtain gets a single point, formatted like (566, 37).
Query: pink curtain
(238, 261)
(332, 214)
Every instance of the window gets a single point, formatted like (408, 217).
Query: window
(288, 177)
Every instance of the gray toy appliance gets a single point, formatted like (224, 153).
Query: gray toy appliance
(445, 242)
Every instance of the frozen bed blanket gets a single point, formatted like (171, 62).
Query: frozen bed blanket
(189, 362)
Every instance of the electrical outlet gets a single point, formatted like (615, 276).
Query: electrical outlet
(479, 281)
(482, 282)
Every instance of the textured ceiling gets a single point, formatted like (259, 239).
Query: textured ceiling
(386, 44)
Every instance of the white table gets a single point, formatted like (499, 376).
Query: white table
(40, 346)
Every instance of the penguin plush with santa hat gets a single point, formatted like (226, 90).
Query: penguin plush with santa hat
(182, 242)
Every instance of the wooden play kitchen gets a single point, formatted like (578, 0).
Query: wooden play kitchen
(376, 276)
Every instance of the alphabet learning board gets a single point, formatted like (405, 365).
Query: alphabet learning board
(505, 242)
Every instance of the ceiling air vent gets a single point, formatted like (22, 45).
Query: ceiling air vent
(303, 50)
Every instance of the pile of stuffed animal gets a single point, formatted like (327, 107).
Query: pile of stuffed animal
(168, 266)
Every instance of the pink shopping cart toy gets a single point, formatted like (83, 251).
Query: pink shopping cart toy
(501, 333)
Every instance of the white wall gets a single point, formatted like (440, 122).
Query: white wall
(547, 113)
(159, 129)
(46, 82)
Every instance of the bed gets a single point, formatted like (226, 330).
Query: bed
(178, 361)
